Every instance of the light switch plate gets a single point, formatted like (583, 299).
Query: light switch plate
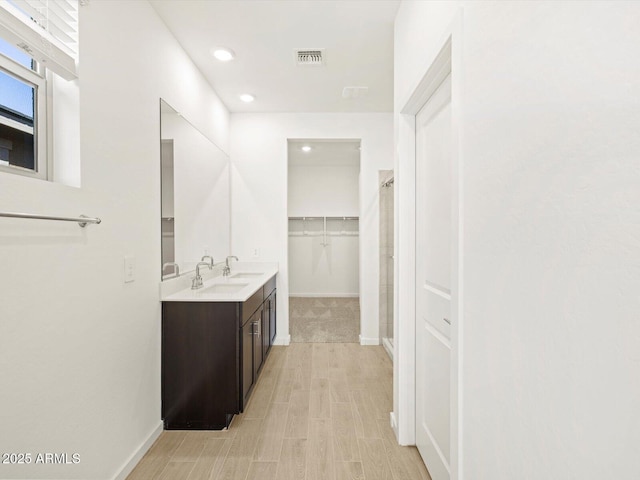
(129, 268)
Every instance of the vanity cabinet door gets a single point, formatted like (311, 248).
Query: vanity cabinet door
(252, 356)
(272, 319)
(246, 333)
(257, 341)
(266, 334)
(199, 365)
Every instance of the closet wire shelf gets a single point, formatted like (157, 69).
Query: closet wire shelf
(323, 227)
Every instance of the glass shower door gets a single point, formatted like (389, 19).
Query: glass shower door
(386, 260)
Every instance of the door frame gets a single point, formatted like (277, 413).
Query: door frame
(328, 139)
(447, 58)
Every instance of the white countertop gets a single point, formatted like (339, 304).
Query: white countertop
(245, 280)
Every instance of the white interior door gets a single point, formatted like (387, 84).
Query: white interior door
(433, 281)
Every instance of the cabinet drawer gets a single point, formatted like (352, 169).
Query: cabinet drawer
(251, 305)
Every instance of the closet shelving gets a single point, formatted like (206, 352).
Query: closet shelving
(323, 227)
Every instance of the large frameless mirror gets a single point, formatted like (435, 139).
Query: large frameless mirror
(195, 206)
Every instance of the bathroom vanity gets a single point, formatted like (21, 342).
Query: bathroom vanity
(214, 343)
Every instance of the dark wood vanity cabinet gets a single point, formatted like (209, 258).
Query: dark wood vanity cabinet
(273, 319)
(269, 321)
(246, 332)
(212, 354)
(256, 332)
(252, 354)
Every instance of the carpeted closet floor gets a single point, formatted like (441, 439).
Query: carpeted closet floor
(324, 320)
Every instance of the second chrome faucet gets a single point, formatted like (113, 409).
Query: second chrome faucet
(227, 269)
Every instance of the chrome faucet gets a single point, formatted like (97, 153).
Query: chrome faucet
(197, 280)
(210, 261)
(227, 269)
(176, 269)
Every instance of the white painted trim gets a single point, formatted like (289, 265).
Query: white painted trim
(438, 71)
(440, 469)
(404, 281)
(442, 293)
(324, 295)
(436, 334)
(369, 341)
(282, 340)
(449, 56)
(457, 266)
(388, 346)
(136, 456)
(393, 422)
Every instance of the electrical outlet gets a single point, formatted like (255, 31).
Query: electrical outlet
(256, 253)
(129, 268)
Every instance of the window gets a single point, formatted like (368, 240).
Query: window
(23, 115)
(33, 33)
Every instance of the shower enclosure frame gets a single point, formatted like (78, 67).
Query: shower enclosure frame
(387, 266)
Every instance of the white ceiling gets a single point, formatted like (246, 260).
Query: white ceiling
(341, 153)
(357, 36)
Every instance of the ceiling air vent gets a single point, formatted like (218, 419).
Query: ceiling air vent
(310, 56)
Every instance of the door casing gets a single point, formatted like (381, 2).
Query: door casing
(403, 420)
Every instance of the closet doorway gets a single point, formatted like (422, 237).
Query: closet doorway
(323, 250)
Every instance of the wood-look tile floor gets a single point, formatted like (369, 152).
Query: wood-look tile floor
(318, 411)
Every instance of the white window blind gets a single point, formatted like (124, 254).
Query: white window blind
(47, 30)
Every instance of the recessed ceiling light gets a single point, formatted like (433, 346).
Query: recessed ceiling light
(306, 148)
(223, 54)
(247, 98)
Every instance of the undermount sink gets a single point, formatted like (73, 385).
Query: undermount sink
(224, 288)
(247, 274)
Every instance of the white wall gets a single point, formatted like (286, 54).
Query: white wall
(330, 190)
(80, 350)
(317, 270)
(551, 231)
(259, 193)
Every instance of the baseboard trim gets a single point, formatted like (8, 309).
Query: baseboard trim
(128, 467)
(369, 341)
(324, 295)
(284, 341)
(394, 424)
(388, 347)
